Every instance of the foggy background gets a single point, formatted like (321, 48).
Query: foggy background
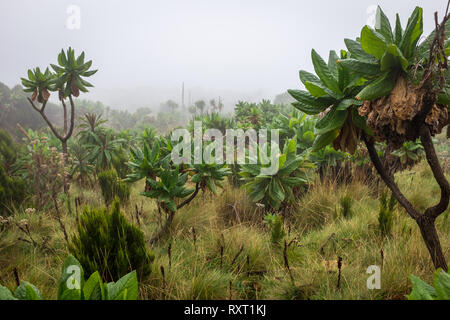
(144, 50)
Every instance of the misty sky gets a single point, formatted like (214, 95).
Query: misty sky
(237, 49)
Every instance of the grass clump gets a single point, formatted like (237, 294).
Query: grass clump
(346, 203)
(386, 214)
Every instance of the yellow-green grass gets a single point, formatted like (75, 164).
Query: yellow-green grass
(233, 255)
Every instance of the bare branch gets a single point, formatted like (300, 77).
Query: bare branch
(41, 111)
(433, 161)
(389, 179)
(185, 202)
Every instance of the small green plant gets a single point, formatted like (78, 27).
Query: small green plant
(112, 186)
(409, 153)
(346, 203)
(275, 223)
(73, 287)
(423, 291)
(386, 214)
(277, 190)
(106, 242)
(209, 176)
(145, 163)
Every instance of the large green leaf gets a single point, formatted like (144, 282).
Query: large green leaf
(379, 88)
(398, 32)
(308, 109)
(421, 290)
(383, 26)
(27, 291)
(346, 103)
(124, 289)
(324, 72)
(361, 67)
(393, 58)
(324, 140)
(372, 42)
(289, 166)
(275, 191)
(356, 51)
(332, 63)
(94, 288)
(315, 89)
(5, 294)
(308, 99)
(441, 281)
(412, 34)
(71, 281)
(257, 194)
(332, 120)
(314, 85)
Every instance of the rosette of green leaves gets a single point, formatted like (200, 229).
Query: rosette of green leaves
(70, 72)
(169, 187)
(67, 79)
(275, 190)
(39, 83)
(332, 90)
(409, 150)
(146, 162)
(299, 125)
(382, 54)
(209, 175)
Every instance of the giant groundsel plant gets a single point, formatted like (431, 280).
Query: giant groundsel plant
(386, 88)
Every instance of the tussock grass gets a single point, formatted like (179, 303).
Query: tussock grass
(232, 255)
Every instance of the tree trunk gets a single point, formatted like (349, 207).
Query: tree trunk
(431, 239)
(64, 150)
(165, 229)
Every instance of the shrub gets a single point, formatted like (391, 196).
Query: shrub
(8, 151)
(108, 243)
(45, 169)
(11, 192)
(346, 206)
(112, 186)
